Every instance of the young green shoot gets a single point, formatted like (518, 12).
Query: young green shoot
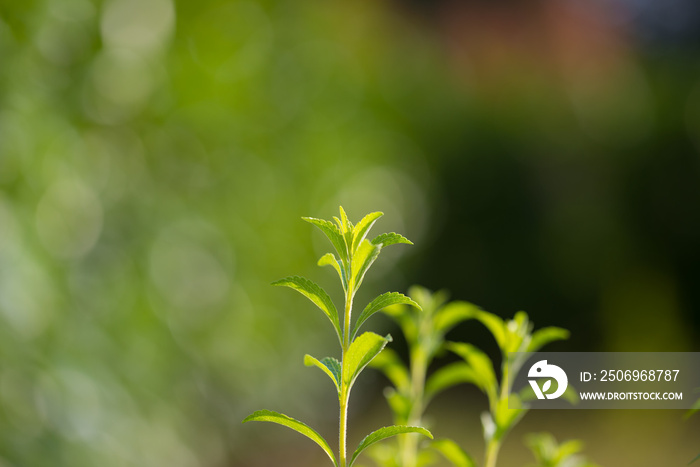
(548, 453)
(424, 329)
(512, 336)
(355, 255)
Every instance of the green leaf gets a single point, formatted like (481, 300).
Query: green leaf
(390, 238)
(344, 222)
(454, 313)
(389, 363)
(379, 303)
(494, 324)
(361, 261)
(329, 259)
(694, 459)
(361, 352)
(542, 445)
(449, 376)
(328, 365)
(316, 294)
(481, 365)
(384, 433)
(517, 332)
(296, 425)
(453, 453)
(568, 449)
(548, 452)
(505, 417)
(399, 404)
(346, 229)
(544, 336)
(405, 319)
(334, 235)
(361, 229)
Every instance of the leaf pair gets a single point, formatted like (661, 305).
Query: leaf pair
(356, 256)
(323, 301)
(361, 352)
(296, 425)
(355, 253)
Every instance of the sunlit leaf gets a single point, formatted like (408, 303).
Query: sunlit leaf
(329, 259)
(481, 365)
(316, 294)
(548, 452)
(361, 352)
(362, 227)
(361, 261)
(452, 314)
(517, 331)
(390, 238)
(296, 425)
(453, 453)
(508, 412)
(389, 363)
(384, 433)
(334, 235)
(568, 449)
(495, 324)
(328, 365)
(542, 445)
(379, 303)
(449, 376)
(544, 336)
(405, 319)
(344, 222)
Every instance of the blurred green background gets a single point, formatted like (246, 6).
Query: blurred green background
(156, 157)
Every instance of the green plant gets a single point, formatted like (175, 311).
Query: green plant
(425, 330)
(511, 336)
(355, 256)
(548, 453)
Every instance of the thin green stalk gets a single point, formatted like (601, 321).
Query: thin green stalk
(492, 453)
(494, 445)
(343, 429)
(344, 390)
(409, 443)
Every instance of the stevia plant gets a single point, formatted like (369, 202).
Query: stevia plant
(549, 453)
(355, 256)
(424, 329)
(511, 336)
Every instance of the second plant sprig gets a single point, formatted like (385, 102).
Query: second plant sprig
(355, 256)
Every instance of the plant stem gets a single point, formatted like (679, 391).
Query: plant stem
(492, 453)
(344, 390)
(409, 442)
(343, 428)
(493, 445)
